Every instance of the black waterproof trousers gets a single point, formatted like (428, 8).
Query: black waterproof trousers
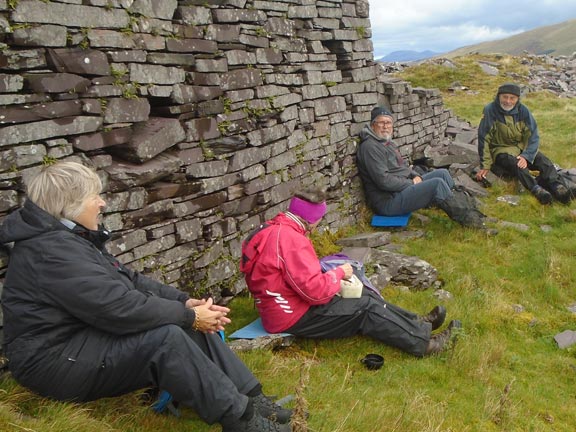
(368, 315)
(198, 369)
(541, 163)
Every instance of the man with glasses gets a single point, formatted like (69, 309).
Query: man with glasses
(393, 188)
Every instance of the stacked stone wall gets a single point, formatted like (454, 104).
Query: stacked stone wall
(201, 117)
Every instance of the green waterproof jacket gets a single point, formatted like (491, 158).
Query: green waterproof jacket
(513, 132)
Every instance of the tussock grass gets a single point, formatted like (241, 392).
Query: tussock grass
(511, 291)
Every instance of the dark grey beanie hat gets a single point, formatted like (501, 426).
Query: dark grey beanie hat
(509, 88)
(379, 111)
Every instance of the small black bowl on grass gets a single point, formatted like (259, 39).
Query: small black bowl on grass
(373, 361)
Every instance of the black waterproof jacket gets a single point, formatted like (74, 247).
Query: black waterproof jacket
(61, 283)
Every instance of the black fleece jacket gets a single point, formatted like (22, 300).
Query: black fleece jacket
(62, 281)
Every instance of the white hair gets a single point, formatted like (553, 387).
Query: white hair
(61, 189)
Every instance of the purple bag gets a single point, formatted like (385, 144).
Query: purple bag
(332, 261)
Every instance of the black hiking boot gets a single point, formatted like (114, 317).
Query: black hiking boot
(439, 342)
(256, 424)
(435, 317)
(561, 193)
(542, 195)
(270, 410)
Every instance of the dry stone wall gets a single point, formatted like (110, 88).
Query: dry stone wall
(202, 117)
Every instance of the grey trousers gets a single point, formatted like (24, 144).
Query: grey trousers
(435, 187)
(368, 315)
(198, 369)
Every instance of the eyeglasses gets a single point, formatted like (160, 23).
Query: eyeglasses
(384, 123)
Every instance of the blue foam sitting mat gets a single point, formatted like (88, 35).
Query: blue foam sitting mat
(252, 331)
(390, 221)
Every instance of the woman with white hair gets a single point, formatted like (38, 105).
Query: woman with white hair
(79, 325)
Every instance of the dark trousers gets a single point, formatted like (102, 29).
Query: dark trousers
(368, 315)
(435, 187)
(541, 163)
(198, 369)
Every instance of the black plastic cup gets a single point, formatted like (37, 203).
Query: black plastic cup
(373, 361)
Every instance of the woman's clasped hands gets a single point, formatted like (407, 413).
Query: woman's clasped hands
(210, 317)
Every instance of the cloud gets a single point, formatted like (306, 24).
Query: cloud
(444, 25)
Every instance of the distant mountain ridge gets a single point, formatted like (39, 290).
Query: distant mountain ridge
(556, 39)
(407, 55)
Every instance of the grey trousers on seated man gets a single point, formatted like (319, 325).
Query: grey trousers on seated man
(436, 186)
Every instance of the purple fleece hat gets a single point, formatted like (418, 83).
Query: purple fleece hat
(309, 211)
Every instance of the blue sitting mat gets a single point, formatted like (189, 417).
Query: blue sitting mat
(252, 331)
(165, 404)
(390, 221)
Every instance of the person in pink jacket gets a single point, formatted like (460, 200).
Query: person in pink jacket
(293, 295)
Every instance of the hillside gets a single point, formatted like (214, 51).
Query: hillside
(557, 39)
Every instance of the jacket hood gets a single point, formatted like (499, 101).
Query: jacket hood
(367, 132)
(252, 247)
(28, 222)
(31, 221)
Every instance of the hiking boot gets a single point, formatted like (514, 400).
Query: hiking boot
(560, 192)
(542, 195)
(435, 317)
(439, 342)
(256, 424)
(270, 410)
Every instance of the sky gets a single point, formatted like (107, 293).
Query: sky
(444, 25)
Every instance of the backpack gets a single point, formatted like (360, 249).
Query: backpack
(462, 208)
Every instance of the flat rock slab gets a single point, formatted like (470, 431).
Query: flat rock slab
(565, 339)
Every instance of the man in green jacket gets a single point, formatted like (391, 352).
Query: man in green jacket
(508, 143)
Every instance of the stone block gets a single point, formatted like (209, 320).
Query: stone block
(156, 74)
(241, 78)
(329, 105)
(78, 61)
(40, 35)
(69, 15)
(194, 15)
(202, 203)
(162, 190)
(238, 15)
(213, 168)
(212, 65)
(247, 157)
(126, 175)
(202, 129)
(120, 110)
(56, 83)
(8, 199)
(170, 59)
(151, 214)
(31, 113)
(101, 38)
(222, 33)
(48, 129)
(155, 9)
(239, 57)
(11, 83)
(302, 12)
(192, 46)
(22, 59)
(151, 138)
(269, 56)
